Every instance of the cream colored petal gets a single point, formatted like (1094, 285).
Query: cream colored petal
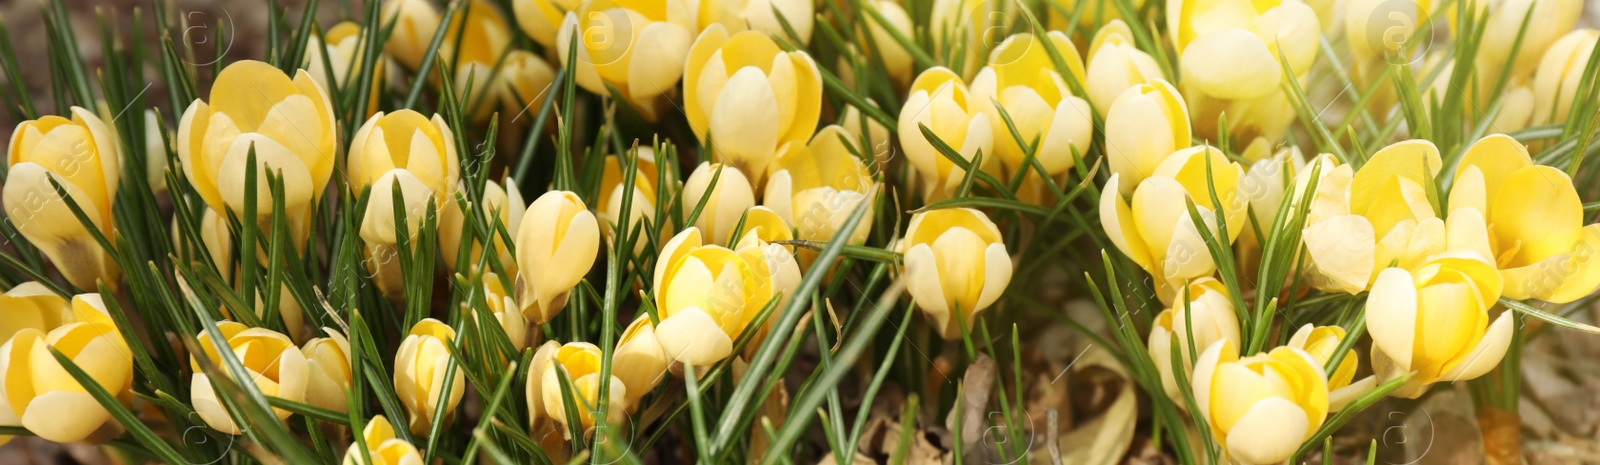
(692, 336)
(1486, 354)
(997, 274)
(1117, 218)
(206, 404)
(923, 282)
(658, 69)
(1343, 249)
(1339, 398)
(1392, 316)
(744, 126)
(1230, 64)
(1269, 432)
(64, 416)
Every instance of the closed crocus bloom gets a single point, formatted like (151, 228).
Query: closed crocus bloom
(1207, 314)
(416, 21)
(749, 97)
(1023, 80)
(156, 151)
(1381, 214)
(328, 359)
(419, 374)
(1503, 28)
(637, 47)
(1559, 74)
(1322, 342)
(556, 246)
(342, 50)
(276, 366)
(939, 100)
(39, 394)
(83, 156)
(817, 187)
(382, 446)
(956, 266)
(1536, 235)
(638, 360)
(761, 16)
(885, 49)
(1250, 37)
(474, 44)
(705, 295)
(290, 125)
(641, 208)
(408, 150)
(540, 19)
(504, 311)
(877, 135)
(29, 305)
(1153, 226)
(535, 383)
(974, 26)
(729, 199)
(502, 204)
(579, 362)
(1116, 64)
(1433, 322)
(1143, 126)
(524, 80)
(1260, 408)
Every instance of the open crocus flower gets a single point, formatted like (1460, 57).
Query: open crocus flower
(556, 246)
(1115, 64)
(749, 97)
(705, 295)
(406, 149)
(729, 198)
(1023, 79)
(291, 127)
(579, 362)
(643, 206)
(1144, 125)
(1536, 233)
(1208, 316)
(335, 55)
(1560, 71)
(816, 187)
(1250, 37)
(419, 374)
(502, 204)
(83, 156)
(939, 100)
(416, 21)
(637, 47)
(956, 266)
(1260, 408)
(1433, 322)
(382, 446)
(1382, 214)
(638, 360)
(330, 368)
(276, 366)
(1154, 227)
(1321, 342)
(39, 393)
(761, 16)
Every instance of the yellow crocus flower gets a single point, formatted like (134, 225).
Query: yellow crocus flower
(748, 97)
(417, 154)
(39, 394)
(729, 199)
(502, 204)
(328, 359)
(706, 295)
(1022, 79)
(1144, 125)
(556, 246)
(939, 100)
(419, 374)
(81, 154)
(956, 266)
(639, 361)
(382, 446)
(1116, 64)
(1153, 226)
(816, 187)
(637, 47)
(580, 363)
(276, 366)
(1433, 322)
(1260, 408)
(1207, 316)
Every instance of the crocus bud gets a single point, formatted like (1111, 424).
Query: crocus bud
(749, 97)
(417, 154)
(341, 49)
(1024, 80)
(638, 48)
(556, 246)
(643, 206)
(414, 27)
(475, 44)
(1116, 64)
(1145, 124)
(727, 201)
(817, 187)
(523, 83)
(705, 295)
(83, 156)
(39, 393)
(504, 310)
(1503, 28)
(275, 365)
(539, 19)
(1260, 408)
(328, 359)
(419, 374)
(382, 446)
(1250, 37)
(503, 205)
(1153, 227)
(579, 362)
(1450, 296)
(1536, 235)
(895, 59)
(1207, 314)
(156, 151)
(761, 16)
(638, 360)
(938, 99)
(1559, 74)
(288, 123)
(541, 361)
(956, 266)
